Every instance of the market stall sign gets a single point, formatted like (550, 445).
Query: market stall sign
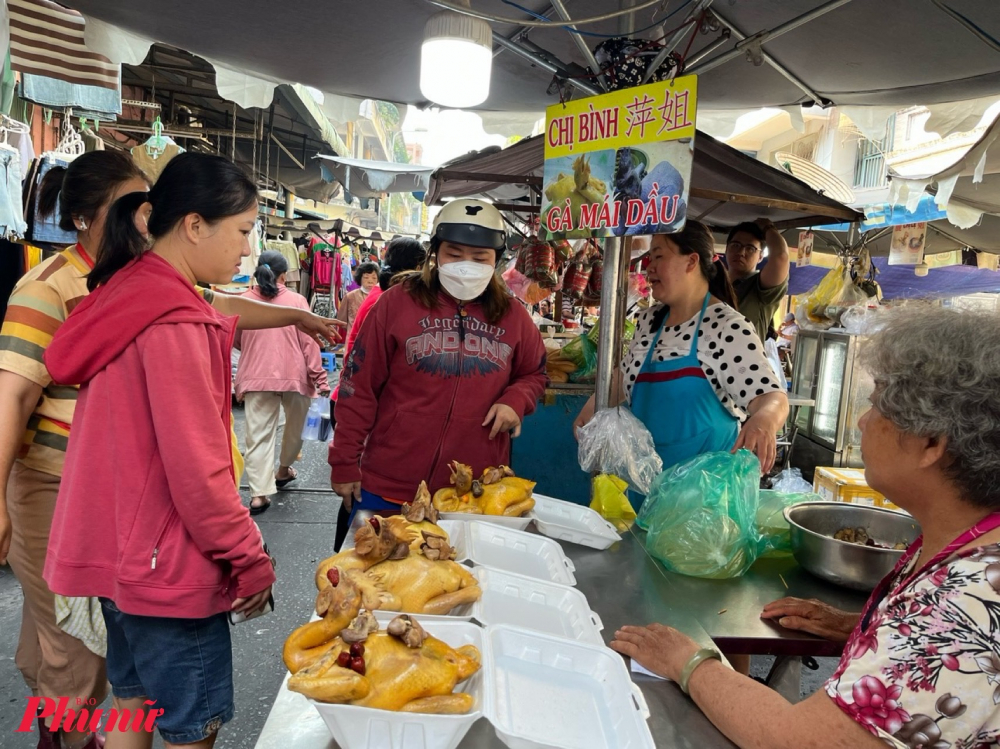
(908, 242)
(805, 249)
(620, 163)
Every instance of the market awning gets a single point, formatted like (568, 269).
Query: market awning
(728, 186)
(967, 189)
(900, 282)
(372, 179)
(860, 52)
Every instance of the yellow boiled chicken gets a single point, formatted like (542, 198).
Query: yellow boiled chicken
(402, 669)
(497, 492)
(404, 563)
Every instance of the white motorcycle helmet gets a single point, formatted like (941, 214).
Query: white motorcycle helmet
(470, 222)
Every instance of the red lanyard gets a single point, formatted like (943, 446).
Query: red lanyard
(980, 529)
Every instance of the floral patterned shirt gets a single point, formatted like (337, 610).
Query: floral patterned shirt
(925, 673)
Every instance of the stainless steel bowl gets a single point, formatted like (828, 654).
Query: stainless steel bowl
(812, 526)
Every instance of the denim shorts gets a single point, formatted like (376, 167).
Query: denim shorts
(185, 665)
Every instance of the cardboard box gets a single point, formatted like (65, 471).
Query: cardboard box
(848, 485)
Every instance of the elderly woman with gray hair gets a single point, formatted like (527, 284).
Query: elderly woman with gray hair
(921, 663)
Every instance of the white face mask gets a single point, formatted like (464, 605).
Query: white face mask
(465, 280)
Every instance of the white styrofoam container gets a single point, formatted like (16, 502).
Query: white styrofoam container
(537, 690)
(548, 691)
(535, 604)
(518, 524)
(519, 552)
(356, 727)
(566, 521)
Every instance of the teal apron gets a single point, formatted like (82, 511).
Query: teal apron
(677, 403)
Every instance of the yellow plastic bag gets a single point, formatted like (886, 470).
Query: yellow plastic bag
(610, 501)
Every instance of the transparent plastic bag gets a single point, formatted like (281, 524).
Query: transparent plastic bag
(610, 501)
(701, 517)
(790, 481)
(616, 442)
(771, 524)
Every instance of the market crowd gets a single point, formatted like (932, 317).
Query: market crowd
(119, 468)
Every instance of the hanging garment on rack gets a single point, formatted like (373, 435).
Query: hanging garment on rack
(93, 102)
(46, 229)
(291, 254)
(153, 166)
(92, 141)
(12, 222)
(322, 269)
(66, 55)
(22, 142)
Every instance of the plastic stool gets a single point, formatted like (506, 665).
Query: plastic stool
(329, 362)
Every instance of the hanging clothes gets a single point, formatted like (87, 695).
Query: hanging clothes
(153, 166)
(12, 224)
(291, 254)
(46, 228)
(323, 262)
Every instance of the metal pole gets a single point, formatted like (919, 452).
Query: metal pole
(626, 23)
(695, 59)
(544, 64)
(740, 36)
(610, 310)
(675, 39)
(581, 43)
(766, 36)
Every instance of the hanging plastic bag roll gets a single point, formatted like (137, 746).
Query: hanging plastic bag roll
(616, 442)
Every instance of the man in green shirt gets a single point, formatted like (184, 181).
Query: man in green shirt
(758, 292)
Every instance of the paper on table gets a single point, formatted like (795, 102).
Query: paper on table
(638, 669)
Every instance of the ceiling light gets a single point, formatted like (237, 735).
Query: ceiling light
(921, 269)
(456, 59)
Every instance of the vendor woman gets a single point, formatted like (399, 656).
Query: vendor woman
(921, 661)
(696, 373)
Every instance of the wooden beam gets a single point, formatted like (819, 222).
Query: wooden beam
(517, 207)
(787, 205)
(507, 179)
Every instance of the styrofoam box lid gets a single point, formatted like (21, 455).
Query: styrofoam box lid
(537, 690)
(535, 604)
(566, 521)
(356, 727)
(519, 552)
(518, 524)
(547, 691)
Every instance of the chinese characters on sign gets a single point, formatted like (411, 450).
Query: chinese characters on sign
(907, 246)
(620, 163)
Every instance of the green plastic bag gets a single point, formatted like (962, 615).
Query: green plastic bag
(775, 541)
(583, 353)
(701, 517)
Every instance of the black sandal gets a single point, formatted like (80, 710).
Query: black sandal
(260, 508)
(282, 483)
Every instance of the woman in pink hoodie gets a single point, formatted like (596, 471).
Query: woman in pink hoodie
(148, 517)
(279, 369)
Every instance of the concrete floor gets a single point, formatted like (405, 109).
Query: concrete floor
(299, 530)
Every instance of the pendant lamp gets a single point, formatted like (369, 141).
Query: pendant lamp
(456, 59)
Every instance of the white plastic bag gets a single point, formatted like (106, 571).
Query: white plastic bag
(616, 442)
(790, 481)
(774, 359)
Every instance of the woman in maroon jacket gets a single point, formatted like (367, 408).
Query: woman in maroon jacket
(445, 368)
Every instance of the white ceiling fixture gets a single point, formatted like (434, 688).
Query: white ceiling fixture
(456, 59)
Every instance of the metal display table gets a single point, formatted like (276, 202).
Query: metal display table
(624, 585)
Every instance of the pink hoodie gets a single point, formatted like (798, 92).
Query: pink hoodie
(279, 360)
(148, 514)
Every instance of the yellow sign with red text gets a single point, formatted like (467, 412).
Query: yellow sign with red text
(620, 163)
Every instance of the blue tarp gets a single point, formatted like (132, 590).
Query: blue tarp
(899, 281)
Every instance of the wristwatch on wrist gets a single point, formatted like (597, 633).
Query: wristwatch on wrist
(696, 660)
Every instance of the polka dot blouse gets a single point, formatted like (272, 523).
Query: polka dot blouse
(731, 355)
